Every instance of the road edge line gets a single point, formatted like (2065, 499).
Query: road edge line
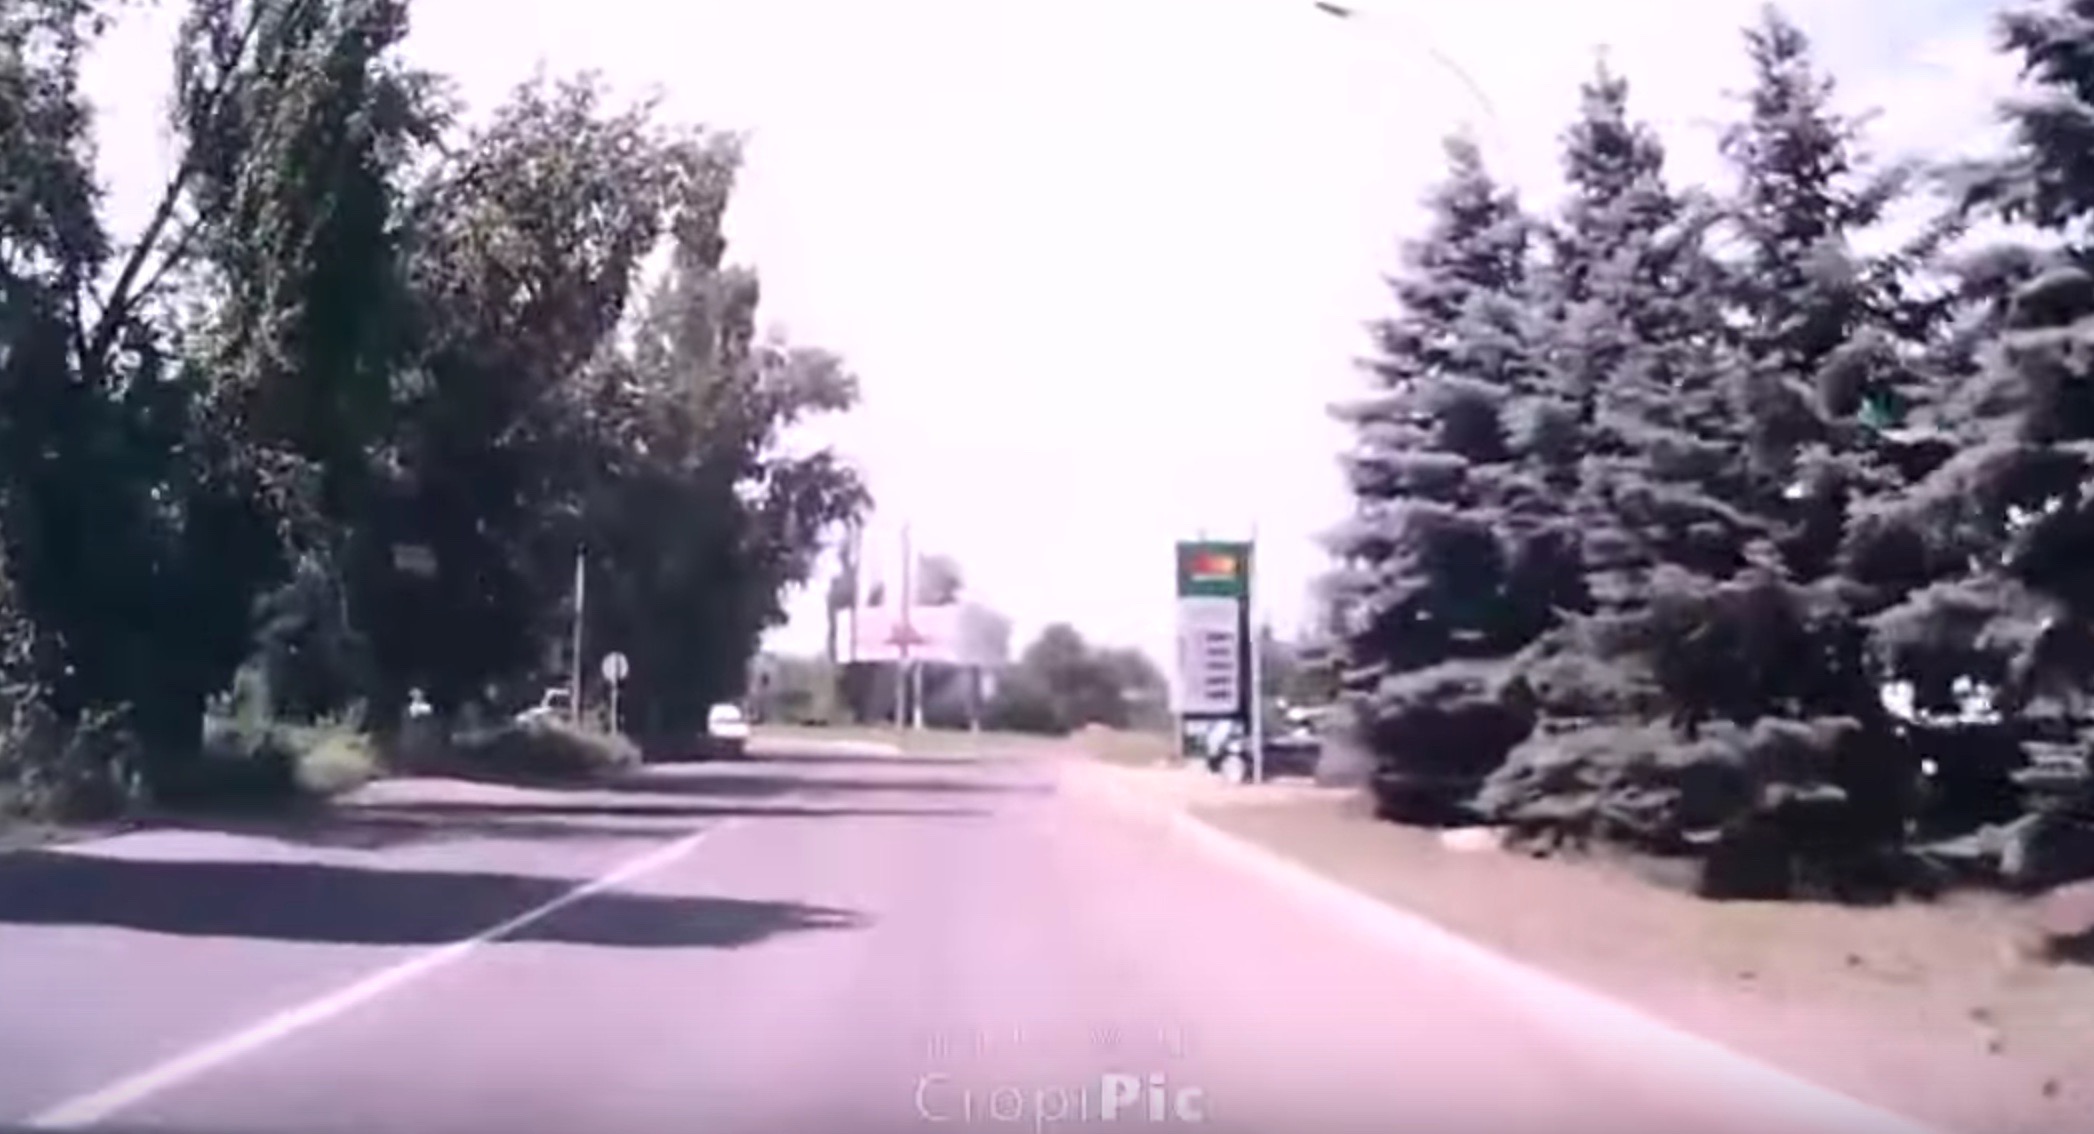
(1556, 1001)
(98, 1105)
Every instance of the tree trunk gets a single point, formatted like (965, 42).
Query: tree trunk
(169, 726)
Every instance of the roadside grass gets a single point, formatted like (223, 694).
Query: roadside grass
(955, 743)
(1897, 1004)
(1116, 746)
(533, 751)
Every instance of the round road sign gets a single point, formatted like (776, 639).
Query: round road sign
(615, 667)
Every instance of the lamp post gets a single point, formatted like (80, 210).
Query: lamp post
(1372, 17)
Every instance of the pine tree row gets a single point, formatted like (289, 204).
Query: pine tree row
(1717, 525)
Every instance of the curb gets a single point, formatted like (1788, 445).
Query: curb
(1549, 1001)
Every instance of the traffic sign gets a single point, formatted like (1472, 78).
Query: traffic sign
(616, 667)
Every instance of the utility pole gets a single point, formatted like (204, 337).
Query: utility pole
(916, 695)
(974, 697)
(854, 549)
(905, 632)
(581, 599)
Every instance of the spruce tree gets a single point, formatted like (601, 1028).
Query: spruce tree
(1836, 340)
(2006, 526)
(1432, 585)
(1704, 704)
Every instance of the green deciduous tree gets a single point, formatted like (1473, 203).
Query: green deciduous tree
(1061, 682)
(348, 405)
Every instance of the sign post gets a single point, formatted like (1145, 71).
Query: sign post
(1215, 670)
(615, 670)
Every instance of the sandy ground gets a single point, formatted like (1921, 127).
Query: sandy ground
(1938, 1012)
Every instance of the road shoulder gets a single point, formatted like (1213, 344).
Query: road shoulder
(1924, 1009)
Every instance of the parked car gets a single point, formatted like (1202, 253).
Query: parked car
(1292, 748)
(1293, 751)
(726, 731)
(555, 705)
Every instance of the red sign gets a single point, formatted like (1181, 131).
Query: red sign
(1213, 566)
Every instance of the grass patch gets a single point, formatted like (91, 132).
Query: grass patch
(1117, 746)
(914, 742)
(540, 750)
(958, 744)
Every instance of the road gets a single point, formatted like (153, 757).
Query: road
(849, 943)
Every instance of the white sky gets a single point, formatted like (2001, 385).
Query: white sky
(1101, 264)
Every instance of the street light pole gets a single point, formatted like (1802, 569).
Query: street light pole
(907, 632)
(1371, 16)
(581, 598)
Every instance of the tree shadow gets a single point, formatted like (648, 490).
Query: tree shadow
(492, 812)
(406, 822)
(707, 780)
(832, 760)
(324, 903)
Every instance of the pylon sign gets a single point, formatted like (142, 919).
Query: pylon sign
(1214, 581)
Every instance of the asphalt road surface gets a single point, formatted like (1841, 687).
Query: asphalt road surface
(831, 943)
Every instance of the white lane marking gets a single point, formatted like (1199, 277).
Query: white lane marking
(99, 1105)
(1643, 1040)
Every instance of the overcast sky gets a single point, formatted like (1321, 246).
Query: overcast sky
(1101, 264)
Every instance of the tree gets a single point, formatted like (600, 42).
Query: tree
(1293, 670)
(840, 598)
(295, 209)
(138, 550)
(703, 521)
(1444, 563)
(2002, 529)
(346, 409)
(1061, 683)
(1690, 425)
(938, 580)
(1837, 340)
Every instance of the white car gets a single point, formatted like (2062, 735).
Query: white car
(555, 705)
(726, 730)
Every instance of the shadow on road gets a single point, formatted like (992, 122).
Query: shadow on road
(313, 902)
(710, 779)
(613, 809)
(380, 826)
(789, 758)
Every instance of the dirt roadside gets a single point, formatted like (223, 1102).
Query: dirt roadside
(1935, 1011)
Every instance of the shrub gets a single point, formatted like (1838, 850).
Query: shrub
(337, 761)
(544, 749)
(1777, 810)
(253, 762)
(54, 769)
(1439, 732)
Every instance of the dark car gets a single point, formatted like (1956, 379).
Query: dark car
(1289, 751)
